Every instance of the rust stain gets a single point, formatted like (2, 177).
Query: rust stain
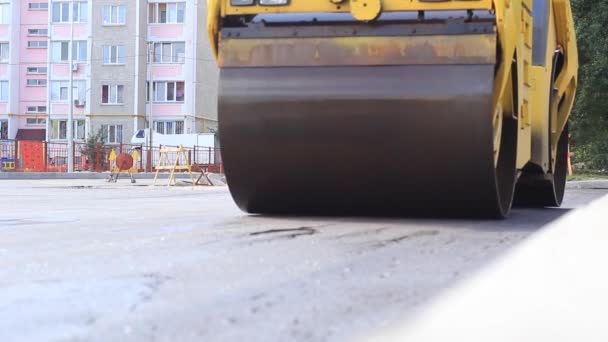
(465, 49)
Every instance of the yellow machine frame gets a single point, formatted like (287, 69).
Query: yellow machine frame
(514, 27)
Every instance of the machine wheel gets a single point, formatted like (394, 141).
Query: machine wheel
(546, 190)
(318, 141)
(322, 133)
(506, 173)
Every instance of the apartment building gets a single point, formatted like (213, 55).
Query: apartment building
(135, 63)
(30, 79)
(9, 32)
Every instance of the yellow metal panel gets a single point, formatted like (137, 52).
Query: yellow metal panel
(365, 10)
(527, 74)
(525, 113)
(213, 14)
(567, 80)
(303, 6)
(539, 103)
(526, 28)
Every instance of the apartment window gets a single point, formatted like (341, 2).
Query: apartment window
(170, 52)
(37, 44)
(61, 12)
(168, 91)
(112, 94)
(166, 12)
(35, 121)
(114, 54)
(5, 13)
(114, 15)
(169, 127)
(60, 51)
(80, 12)
(37, 70)
(38, 32)
(38, 5)
(59, 90)
(80, 90)
(36, 83)
(4, 52)
(112, 133)
(59, 129)
(79, 50)
(3, 91)
(36, 109)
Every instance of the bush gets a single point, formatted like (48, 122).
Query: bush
(593, 156)
(91, 149)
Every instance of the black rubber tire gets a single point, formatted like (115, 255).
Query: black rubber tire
(545, 190)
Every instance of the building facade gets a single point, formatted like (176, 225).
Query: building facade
(134, 63)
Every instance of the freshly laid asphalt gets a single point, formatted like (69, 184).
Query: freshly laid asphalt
(86, 260)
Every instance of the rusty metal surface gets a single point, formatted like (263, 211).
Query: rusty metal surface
(410, 139)
(358, 51)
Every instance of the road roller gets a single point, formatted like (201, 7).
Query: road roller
(394, 107)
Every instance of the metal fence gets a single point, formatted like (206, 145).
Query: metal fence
(8, 155)
(209, 158)
(41, 156)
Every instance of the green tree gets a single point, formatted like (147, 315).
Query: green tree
(589, 122)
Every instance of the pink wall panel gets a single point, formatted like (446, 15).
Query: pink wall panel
(28, 55)
(166, 31)
(62, 31)
(79, 110)
(62, 71)
(59, 108)
(4, 71)
(4, 34)
(171, 71)
(80, 31)
(32, 93)
(62, 108)
(32, 16)
(21, 124)
(167, 109)
(3, 107)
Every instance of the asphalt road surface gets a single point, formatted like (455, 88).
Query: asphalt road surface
(87, 261)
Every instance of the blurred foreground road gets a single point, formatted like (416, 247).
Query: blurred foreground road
(83, 260)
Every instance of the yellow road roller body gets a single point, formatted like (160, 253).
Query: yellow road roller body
(394, 107)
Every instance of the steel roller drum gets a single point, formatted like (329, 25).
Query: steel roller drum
(411, 139)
